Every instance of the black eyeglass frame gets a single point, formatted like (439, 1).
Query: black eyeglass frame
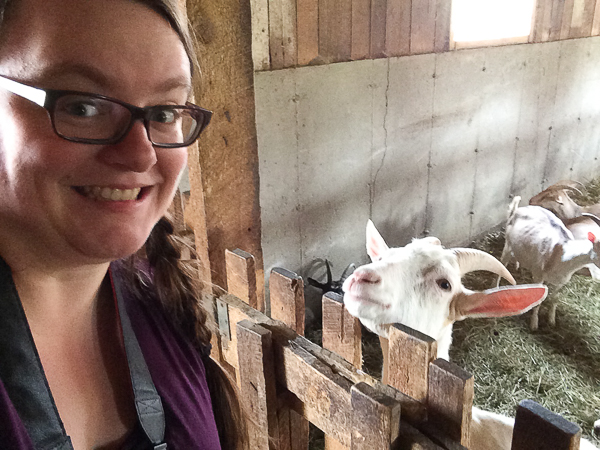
(47, 98)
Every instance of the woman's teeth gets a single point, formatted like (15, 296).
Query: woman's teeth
(108, 194)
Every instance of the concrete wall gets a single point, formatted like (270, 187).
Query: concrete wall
(430, 144)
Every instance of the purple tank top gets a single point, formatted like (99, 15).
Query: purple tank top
(178, 373)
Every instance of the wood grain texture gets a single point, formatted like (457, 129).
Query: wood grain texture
(422, 29)
(450, 400)
(361, 29)
(257, 383)
(596, 21)
(289, 33)
(443, 26)
(260, 35)
(241, 277)
(398, 26)
(537, 427)
(565, 28)
(276, 33)
(335, 30)
(287, 298)
(409, 355)
(556, 22)
(308, 30)
(341, 331)
(378, 28)
(582, 18)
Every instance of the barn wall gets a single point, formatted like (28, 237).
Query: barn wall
(426, 144)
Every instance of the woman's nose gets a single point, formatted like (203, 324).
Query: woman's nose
(135, 152)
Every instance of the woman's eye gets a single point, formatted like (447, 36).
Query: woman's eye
(81, 109)
(444, 284)
(164, 116)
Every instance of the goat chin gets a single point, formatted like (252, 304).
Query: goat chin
(491, 431)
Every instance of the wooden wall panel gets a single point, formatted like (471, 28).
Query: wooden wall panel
(557, 15)
(596, 21)
(260, 34)
(442, 26)
(565, 28)
(422, 29)
(335, 28)
(398, 25)
(276, 33)
(307, 13)
(542, 22)
(361, 29)
(582, 18)
(378, 28)
(289, 33)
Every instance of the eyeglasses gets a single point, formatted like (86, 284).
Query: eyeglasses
(96, 119)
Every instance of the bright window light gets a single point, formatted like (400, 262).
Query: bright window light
(483, 20)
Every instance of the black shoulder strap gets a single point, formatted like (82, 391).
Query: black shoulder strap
(147, 401)
(23, 376)
(22, 373)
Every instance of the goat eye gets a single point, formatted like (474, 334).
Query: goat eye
(444, 284)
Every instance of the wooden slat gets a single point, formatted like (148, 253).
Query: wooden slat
(543, 21)
(241, 277)
(442, 25)
(290, 33)
(341, 331)
(596, 21)
(582, 18)
(557, 15)
(287, 298)
(397, 39)
(536, 427)
(378, 28)
(376, 419)
(409, 355)
(422, 29)
(293, 428)
(335, 30)
(450, 400)
(276, 33)
(361, 29)
(260, 35)
(308, 30)
(567, 15)
(257, 383)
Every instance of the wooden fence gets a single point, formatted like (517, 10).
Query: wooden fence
(286, 381)
(291, 33)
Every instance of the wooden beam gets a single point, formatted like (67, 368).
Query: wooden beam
(450, 400)
(335, 30)
(565, 28)
(286, 291)
(341, 331)
(422, 28)
(361, 29)
(289, 33)
(398, 25)
(537, 427)
(557, 14)
(241, 277)
(378, 28)
(308, 31)
(260, 35)
(409, 355)
(443, 26)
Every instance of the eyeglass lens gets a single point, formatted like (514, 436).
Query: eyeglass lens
(85, 117)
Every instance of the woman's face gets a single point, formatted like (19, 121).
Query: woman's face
(48, 186)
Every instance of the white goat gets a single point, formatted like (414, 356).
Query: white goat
(419, 285)
(538, 241)
(556, 199)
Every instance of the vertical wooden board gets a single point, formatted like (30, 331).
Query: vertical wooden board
(376, 419)
(361, 29)
(241, 277)
(459, 82)
(257, 383)
(543, 21)
(400, 173)
(287, 298)
(293, 428)
(378, 28)
(596, 20)
(450, 400)
(308, 30)
(556, 21)
(498, 121)
(536, 427)
(443, 22)
(409, 355)
(335, 30)
(398, 27)
(260, 34)
(565, 28)
(341, 331)
(582, 18)
(422, 28)
(289, 33)
(276, 33)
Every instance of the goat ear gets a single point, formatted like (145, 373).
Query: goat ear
(375, 243)
(498, 302)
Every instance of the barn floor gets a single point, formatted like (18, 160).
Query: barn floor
(557, 367)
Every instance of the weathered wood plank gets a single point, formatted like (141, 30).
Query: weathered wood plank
(276, 33)
(257, 383)
(422, 28)
(582, 18)
(442, 26)
(537, 427)
(450, 400)
(361, 29)
(565, 28)
(376, 419)
(409, 355)
(596, 21)
(543, 21)
(556, 22)
(241, 277)
(341, 331)
(335, 30)
(378, 28)
(287, 298)
(397, 38)
(307, 13)
(293, 428)
(289, 33)
(260, 34)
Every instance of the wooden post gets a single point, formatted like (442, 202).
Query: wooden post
(538, 428)
(450, 400)
(241, 277)
(375, 419)
(257, 383)
(287, 298)
(341, 331)
(409, 355)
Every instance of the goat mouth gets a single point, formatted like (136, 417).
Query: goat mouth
(364, 300)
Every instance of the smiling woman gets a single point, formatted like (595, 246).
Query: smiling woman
(101, 349)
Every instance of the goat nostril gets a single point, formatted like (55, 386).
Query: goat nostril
(367, 276)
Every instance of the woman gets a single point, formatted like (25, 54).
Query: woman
(99, 349)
